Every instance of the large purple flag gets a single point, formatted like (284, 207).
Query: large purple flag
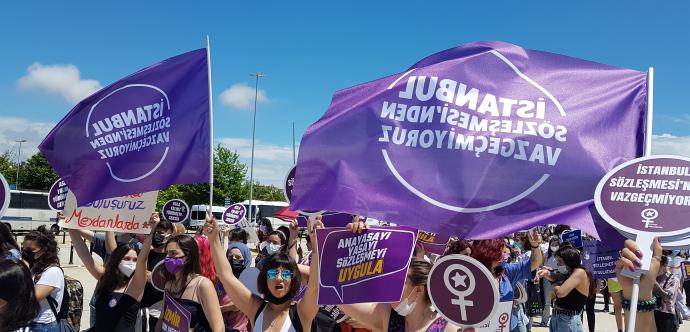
(144, 132)
(480, 141)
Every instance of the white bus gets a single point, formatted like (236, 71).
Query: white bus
(197, 216)
(266, 209)
(28, 210)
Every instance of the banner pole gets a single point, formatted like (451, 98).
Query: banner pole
(634, 297)
(210, 114)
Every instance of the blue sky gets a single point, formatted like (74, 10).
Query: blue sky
(308, 50)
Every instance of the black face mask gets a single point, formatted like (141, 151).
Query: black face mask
(158, 240)
(29, 256)
(277, 300)
(237, 267)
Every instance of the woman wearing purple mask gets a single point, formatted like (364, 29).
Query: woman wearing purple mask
(188, 287)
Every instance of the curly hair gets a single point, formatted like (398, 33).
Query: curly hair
(488, 251)
(45, 240)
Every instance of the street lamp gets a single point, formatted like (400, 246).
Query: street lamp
(257, 75)
(19, 154)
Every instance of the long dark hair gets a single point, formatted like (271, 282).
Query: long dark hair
(191, 252)
(571, 258)
(18, 290)
(45, 240)
(7, 242)
(279, 260)
(113, 278)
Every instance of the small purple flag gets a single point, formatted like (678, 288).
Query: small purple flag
(479, 141)
(144, 132)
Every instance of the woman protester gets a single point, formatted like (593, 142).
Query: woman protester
(279, 282)
(665, 290)
(275, 242)
(18, 304)
(188, 287)
(572, 293)
(240, 258)
(413, 313)
(120, 284)
(40, 251)
(550, 264)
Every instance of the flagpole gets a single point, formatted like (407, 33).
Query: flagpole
(251, 163)
(635, 295)
(210, 115)
(294, 160)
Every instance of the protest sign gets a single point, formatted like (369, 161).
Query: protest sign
(645, 198)
(573, 236)
(500, 321)
(432, 242)
(599, 259)
(127, 214)
(432, 147)
(175, 210)
(57, 195)
(366, 267)
(235, 215)
(174, 318)
(144, 132)
(4, 195)
(463, 290)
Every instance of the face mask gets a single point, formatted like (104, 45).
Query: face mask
(272, 248)
(554, 248)
(562, 269)
(405, 307)
(174, 265)
(277, 300)
(237, 267)
(158, 240)
(29, 256)
(127, 268)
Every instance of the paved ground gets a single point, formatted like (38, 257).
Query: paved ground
(605, 322)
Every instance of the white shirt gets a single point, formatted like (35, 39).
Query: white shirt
(52, 277)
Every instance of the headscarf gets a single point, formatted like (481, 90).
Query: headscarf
(246, 254)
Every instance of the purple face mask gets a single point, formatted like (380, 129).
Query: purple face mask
(174, 265)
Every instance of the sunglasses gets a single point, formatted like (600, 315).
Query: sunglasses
(273, 274)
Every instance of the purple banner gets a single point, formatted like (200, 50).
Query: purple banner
(366, 267)
(432, 242)
(480, 140)
(174, 318)
(234, 214)
(144, 132)
(599, 259)
(175, 210)
(57, 195)
(4, 195)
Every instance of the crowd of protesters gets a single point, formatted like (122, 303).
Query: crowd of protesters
(203, 273)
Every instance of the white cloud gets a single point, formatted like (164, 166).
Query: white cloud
(271, 162)
(13, 129)
(241, 96)
(669, 144)
(63, 80)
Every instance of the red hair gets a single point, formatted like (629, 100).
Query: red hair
(208, 270)
(488, 251)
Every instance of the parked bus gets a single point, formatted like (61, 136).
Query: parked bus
(28, 210)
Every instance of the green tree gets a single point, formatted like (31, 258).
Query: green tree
(8, 167)
(36, 173)
(267, 192)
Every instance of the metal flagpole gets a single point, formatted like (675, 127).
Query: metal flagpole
(634, 297)
(210, 115)
(294, 160)
(19, 155)
(251, 164)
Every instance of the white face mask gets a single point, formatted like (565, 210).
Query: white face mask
(405, 307)
(554, 248)
(562, 269)
(272, 248)
(127, 268)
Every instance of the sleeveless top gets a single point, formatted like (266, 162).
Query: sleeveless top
(115, 312)
(573, 301)
(259, 322)
(396, 323)
(198, 319)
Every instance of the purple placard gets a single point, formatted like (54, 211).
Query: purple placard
(366, 267)
(175, 210)
(599, 259)
(463, 290)
(4, 195)
(480, 140)
(234, 214)
(647, 195)
(57, 195)
(329, 219)
(174, 318)
(433, 242)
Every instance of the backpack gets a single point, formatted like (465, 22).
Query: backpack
(72, 301)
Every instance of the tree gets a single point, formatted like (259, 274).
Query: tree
(267, 193)
(37, 174)
(8, 167)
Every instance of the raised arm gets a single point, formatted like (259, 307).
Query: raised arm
(308, 306)
(110, 242)
(138, 281)
(239, 293)
(84, 254)
(536, 257)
